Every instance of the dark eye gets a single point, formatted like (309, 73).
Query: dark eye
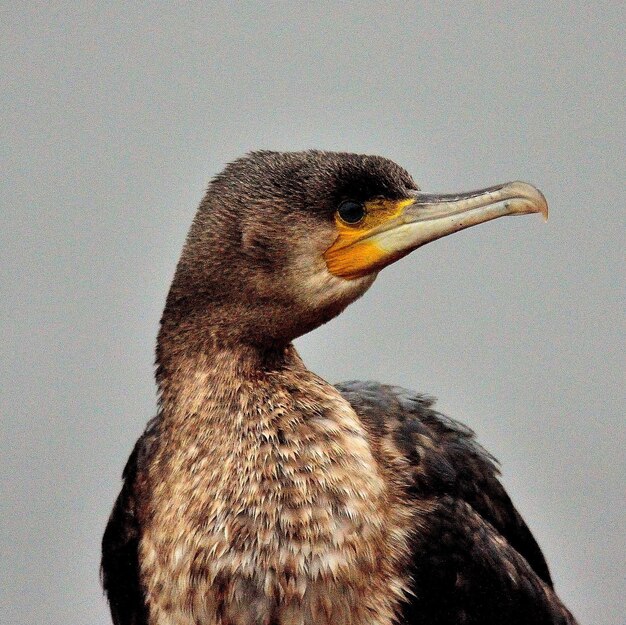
(351, 212)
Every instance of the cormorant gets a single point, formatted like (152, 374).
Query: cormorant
(263, 495)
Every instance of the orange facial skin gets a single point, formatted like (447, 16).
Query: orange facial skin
(353, 254)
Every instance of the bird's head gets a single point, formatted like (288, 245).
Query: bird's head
(283, 242)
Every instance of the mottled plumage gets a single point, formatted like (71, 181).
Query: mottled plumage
(261, 494)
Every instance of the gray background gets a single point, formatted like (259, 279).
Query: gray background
(113, 119)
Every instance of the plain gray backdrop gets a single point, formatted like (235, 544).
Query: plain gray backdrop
(115, 116)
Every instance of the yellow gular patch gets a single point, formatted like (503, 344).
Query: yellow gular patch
(354, 254)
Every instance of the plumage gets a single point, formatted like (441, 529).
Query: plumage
(261, 494)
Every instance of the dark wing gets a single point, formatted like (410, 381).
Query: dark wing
(120, 543)
(475, 560)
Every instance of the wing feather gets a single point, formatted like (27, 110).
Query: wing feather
(120, 544)
(475, 560)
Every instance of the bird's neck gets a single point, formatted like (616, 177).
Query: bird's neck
(248, 410)
(206, 375)
(262, 462)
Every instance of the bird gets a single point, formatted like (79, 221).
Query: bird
(261, 494)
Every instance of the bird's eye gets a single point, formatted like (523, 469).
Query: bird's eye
(351, 212)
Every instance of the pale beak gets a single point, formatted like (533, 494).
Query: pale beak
(431, 217)
(425, 217)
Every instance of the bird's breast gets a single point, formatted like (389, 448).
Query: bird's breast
(281, 518)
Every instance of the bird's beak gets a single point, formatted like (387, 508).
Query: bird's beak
(393, 228)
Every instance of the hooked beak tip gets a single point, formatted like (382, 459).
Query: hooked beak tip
(533, 199)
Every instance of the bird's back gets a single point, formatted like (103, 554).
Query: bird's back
(474, 560)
